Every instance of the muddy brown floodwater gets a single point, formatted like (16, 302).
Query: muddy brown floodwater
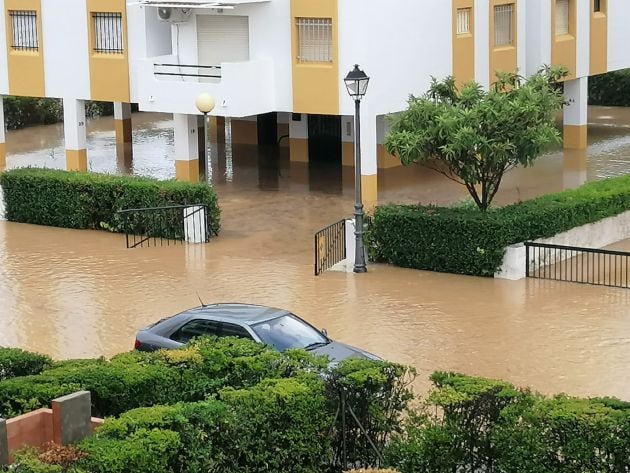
(75, 293)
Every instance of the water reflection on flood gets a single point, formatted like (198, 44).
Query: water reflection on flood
(81, 293)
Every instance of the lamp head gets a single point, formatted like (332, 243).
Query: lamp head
(205, 103)
(357, 83)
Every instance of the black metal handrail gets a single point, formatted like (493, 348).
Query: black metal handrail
(330, 246)
(179, 73)
(578, 264)
(151, 226)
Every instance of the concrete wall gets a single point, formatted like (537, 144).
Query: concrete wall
(618, 34)
(65, 40)
(594, 235)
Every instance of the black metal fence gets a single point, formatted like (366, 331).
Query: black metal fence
(330, 246)
(575, 264)
(164, 226)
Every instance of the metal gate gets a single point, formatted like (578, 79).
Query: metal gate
(330, 246)
(160, 226)
(575, 264)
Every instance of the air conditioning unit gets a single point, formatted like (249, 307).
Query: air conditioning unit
(174, 15)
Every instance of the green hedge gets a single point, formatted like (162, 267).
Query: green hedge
(465, 241)
(90, 200)
(473, 424)
(611, 89)
(15, 362)
(225, 405)
(137, 379)
(20, 112)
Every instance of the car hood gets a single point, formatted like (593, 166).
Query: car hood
(337, 352)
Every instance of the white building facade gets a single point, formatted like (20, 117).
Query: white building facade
(276, 67)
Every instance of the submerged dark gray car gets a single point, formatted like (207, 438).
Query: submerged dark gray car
(277, 328)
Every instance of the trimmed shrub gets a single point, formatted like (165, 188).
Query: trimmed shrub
(279, 425)
(89, 200)
(137, 379)
(376, 393)
(144, 451)
(465, 241)
(20, 112)
(15, 362)
(612, 88)
(474, 424)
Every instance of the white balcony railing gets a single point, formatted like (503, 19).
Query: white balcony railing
(240, 89)
(187, 72)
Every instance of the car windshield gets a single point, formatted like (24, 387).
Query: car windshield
(287, 332)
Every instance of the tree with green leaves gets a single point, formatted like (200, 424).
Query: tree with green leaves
(473, 136)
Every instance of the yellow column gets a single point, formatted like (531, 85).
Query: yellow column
(298, 138)
(575, 167)
(216, 129)
(3, 150)
(74, 128)
(123, 127)
(186, 147)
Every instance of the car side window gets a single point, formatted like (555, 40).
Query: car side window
(196, 328)
(231, 330)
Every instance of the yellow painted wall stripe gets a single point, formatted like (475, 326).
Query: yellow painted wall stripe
(503, 58)
(109, 73)
(26, 68)
(564, 47)
(315, 85)
(464, 44)
(599, 39)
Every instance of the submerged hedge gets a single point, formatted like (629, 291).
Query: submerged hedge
(90, 200)
(464, 240)
(612, 89)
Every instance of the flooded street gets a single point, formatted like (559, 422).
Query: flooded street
(75, 293)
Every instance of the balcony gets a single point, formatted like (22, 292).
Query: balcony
(166, 84)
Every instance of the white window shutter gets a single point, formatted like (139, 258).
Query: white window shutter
(503, 21)
(222, 39)
(562, 17)
(463, 20)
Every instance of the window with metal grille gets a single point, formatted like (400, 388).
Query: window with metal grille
(24, 30)
(463, 20)
(108, 33)
(503, 25)
(314, 39)
(562, 17)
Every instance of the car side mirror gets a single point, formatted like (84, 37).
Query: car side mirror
(324, 332)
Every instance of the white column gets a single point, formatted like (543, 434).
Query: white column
(482, 41)
(186, 147)
(3, 151)
(369, 161)
(122, 111)
(576, 113)
(74, 126)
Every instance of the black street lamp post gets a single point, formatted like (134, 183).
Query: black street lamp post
(357, 83)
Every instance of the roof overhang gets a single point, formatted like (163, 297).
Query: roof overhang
(227, 4)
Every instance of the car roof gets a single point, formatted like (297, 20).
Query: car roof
(248, 314)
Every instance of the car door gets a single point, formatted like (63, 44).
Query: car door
(197, 328)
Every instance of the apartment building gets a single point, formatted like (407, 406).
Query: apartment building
(276, 67)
